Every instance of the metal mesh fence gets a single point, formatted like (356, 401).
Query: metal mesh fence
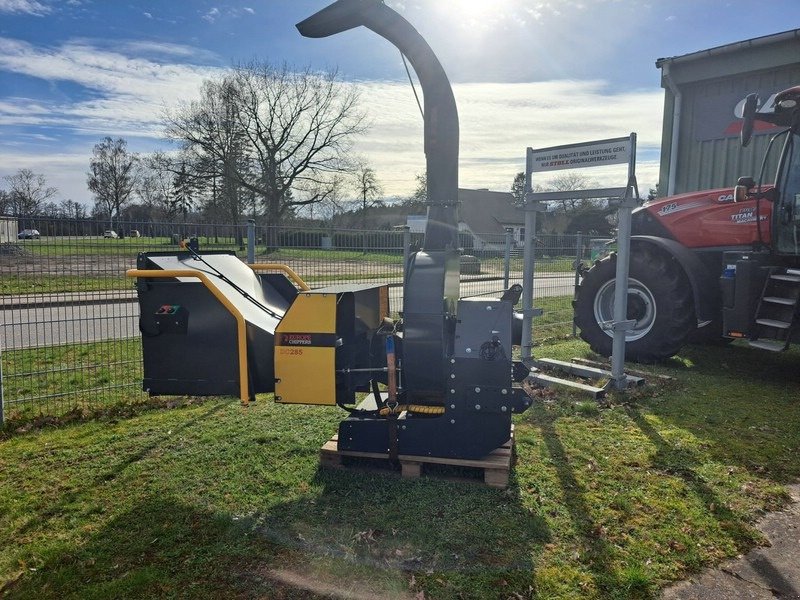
(70, 338)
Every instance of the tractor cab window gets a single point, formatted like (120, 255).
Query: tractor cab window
(787, 212)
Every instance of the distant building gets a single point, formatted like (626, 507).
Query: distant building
(702, 90)
(484, 216)
(8, 229)
(416, 223)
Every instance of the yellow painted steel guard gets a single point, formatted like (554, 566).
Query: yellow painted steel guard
(241, 333)
(279, 267)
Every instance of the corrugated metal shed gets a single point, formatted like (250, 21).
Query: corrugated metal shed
(702, 90)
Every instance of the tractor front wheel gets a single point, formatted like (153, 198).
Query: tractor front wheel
(659, 301)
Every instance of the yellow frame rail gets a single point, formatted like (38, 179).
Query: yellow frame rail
(241, 332)
(279, 267)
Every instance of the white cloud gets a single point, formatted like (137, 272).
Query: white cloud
(498, 121)
(129, 94)
(249, 10)
(211, 15)
(155, 50)
(31, 7)
(148, 15)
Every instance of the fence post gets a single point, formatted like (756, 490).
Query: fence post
(578, 258)
(2, 401)
(406, 251)
(251, 241)
(507, 258)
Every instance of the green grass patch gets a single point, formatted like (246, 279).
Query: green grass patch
(208, 499)
(394, 257)
(27, 284)
(548, 264)
(75, 378)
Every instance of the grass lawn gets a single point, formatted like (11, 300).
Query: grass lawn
(25, 284)
(206, 499)
(390, 257)
(54, 381)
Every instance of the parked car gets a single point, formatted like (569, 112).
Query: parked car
(470, 265)
(29, 234)
(110, 233)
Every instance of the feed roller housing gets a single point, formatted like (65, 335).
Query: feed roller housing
(196, 335)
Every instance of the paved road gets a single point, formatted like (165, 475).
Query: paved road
(51, 321)
(56, 325)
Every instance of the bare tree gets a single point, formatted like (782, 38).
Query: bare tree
(330, 194)
(28, 191)
(518, 189)
(49, 210)
(112, 176)
(5, 203)
(268, 130)
(419, 197)
(69, 209)
(584, 213)
(368, 191)
(213, 144)
(182, 191)
(154, 188)
(567, 182)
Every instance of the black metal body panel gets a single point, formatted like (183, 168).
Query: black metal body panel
(453, 435)
(360, 310)
(279, 289)
(198, 355)
(429, 312)
(203, 362)
(479, 399)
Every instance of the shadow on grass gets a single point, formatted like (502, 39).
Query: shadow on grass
(43, 513)
(683, 463)
(742, 404)
(481, 537)
(160, 548)
(598, 556)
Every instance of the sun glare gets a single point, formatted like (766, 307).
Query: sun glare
(475, 11)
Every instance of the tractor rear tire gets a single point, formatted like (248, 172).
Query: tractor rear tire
(659, 300)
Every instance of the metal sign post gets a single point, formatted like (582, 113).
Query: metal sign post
(614, 151)
(620, 326)
(532, 207)
(2, 399)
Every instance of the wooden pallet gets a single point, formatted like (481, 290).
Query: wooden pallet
(495, 467)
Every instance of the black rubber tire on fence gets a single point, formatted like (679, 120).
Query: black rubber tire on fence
(659, 299)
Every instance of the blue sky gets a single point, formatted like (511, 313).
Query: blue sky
(525, 73)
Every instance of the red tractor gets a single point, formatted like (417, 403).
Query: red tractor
(713, 265)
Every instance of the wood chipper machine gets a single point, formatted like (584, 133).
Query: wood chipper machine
(439, 382)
